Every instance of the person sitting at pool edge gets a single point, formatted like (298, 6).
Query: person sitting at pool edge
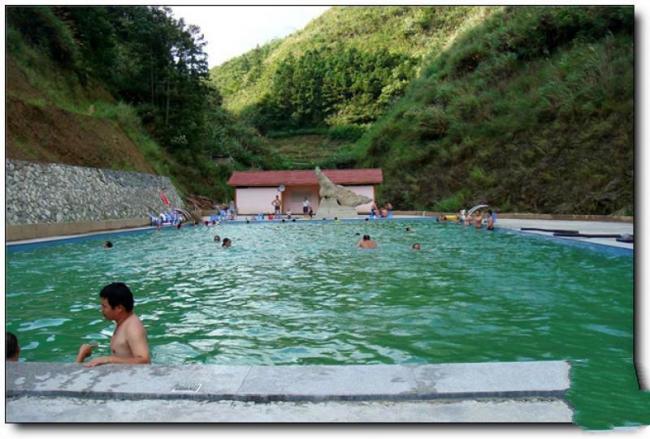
(366, 242)
(490, 220)
(227, 242)
(129, 341)
(12, 350)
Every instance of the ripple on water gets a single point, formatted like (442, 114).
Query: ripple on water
(173, 353)
(607, 330)
(41, 323)
(32, 345)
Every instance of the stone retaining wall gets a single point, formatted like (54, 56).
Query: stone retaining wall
(51, 193)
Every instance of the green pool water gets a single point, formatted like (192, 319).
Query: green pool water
(304, 294)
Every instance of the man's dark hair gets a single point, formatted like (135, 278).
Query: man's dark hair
(366, 237)
(226, 242)
(118, 293)
(108, 244)
(11, 345)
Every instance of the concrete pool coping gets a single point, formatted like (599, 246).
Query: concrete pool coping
(531, 391)
(588, 227)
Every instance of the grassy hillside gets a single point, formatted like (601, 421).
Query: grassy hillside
(531, 110)
(409, 33)
(308, 148)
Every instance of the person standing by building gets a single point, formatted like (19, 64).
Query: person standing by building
(277, 204)
(232, 210)
(305, 206)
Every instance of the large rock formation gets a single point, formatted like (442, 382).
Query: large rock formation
(335, 200)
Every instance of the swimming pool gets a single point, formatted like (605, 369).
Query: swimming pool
(302, 293)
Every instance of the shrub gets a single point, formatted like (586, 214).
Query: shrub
(467, 60)
(346, 132)
(432, 123)
(452, 203)
(467, 107)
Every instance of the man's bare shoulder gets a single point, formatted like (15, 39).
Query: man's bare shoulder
(134, 325)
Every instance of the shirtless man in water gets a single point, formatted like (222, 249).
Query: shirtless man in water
(366, 242)
(129, 341)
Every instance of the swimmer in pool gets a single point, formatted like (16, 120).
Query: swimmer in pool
(129, 341)
(12, 350)
(366, 242)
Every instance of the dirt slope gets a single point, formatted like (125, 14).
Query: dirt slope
(39, 131)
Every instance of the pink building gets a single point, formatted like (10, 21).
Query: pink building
(255, 190)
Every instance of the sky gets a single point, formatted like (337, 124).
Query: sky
(233, 30)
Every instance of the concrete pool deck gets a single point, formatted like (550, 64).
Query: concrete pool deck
(531, 392)
(586, 227)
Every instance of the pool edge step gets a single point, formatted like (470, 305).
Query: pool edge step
(455, 381)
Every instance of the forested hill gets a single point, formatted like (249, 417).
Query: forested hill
(345, 67)
(526, 108)
(122, 88)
